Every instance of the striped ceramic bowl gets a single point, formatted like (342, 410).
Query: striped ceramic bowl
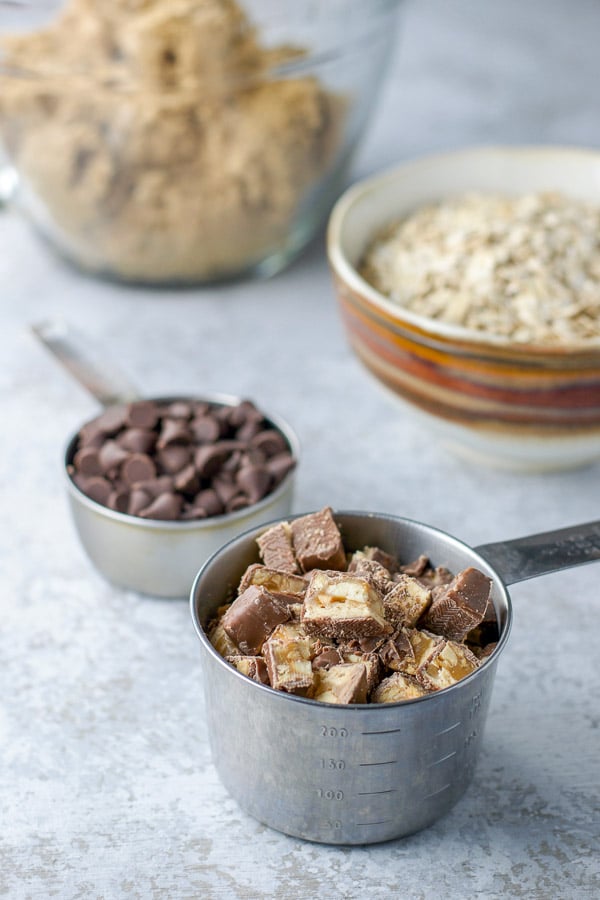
(517, 406)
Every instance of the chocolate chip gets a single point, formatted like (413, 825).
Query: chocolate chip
(211, 457)
(179, 410)
(279, 466)
(138, 500)
(209, 501)
(87, 461)
(248, 430)
(174, 431)
(142, 414)
(244, 412)
(137, 440)
(174, 458)
(254, 482)
(155, 486)
(139, 467)
(187, 480)
(205, 429)
(111, 420)
(165, 506)
(237, 502)
(96, 488)
(111, 456)
(270, 442)
(118, 500)
(225, 487)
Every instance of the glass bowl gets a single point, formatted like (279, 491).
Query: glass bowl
(186, 141)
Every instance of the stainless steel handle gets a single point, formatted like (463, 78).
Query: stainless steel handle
(539, 554)
(85, 363)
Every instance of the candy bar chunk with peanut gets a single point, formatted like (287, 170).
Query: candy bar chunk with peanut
(345, 683)
(416, 567)
(397, 687)
(342, 606)
(425, 647)
(453, 662)
(252, 617)
(461, 606)
(317, 542)
(252, 666)
(276, 581)
(276, 551)
(406, 602)
(221, 640)
(371, 571)
(287, 654)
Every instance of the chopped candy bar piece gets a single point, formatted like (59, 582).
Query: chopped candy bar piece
(416, 567)
(371, 571)
(317, 542)
(252, 666)
(275, 547)
(461, 606)
(346, 683)
(384, 559)
(372, 665)
(252, 617)
(396, 688)
(406, 602)
(326, 658)
(435, 577)
(453, 662)
(343, 606)
(397, 653)
(482, 653)
(425, 648)
(221, 641)
(274, 580)
(288, 657)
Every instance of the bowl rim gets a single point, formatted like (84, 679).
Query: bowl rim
(348, 273)
(284, 697)
(210, 522)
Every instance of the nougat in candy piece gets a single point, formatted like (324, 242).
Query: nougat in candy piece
(453, 662)
(343, 606)
(252, 617)
(252, 666)
(287, 654)
(406, 602)
(317, 542)
(275, 581)
(397, 687)
(461, 606)
(346, 683)
(275, 547)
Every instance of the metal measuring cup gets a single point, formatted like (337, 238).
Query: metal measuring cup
(151, 556)
(363, 773)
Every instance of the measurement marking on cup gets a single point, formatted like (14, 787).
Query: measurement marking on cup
(367, 824)
(439, 791)
(371, 793)
(446, 730)
(389, 731)
(443, 759)
(388, 762)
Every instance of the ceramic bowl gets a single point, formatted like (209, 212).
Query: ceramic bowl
(521, 407)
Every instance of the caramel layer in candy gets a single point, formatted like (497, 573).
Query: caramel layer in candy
(346, 683)
(343, 606)
(406, 602)
(396, 688)
(425, 647)
(274, 580)
(453, 662)
(288, 657)
(252, 617)
(275, 547)
(461, 606)
(317, 542)
(252, 666)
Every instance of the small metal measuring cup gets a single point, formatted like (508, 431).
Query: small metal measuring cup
(149, 555)
(363, 773)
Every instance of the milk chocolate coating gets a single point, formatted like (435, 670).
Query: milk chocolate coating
(252, 617)
(460, 607)
(317, 542)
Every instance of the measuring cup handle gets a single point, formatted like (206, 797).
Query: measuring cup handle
(102, 379)
(539, 554)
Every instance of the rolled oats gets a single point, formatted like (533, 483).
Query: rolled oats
(526, 268)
